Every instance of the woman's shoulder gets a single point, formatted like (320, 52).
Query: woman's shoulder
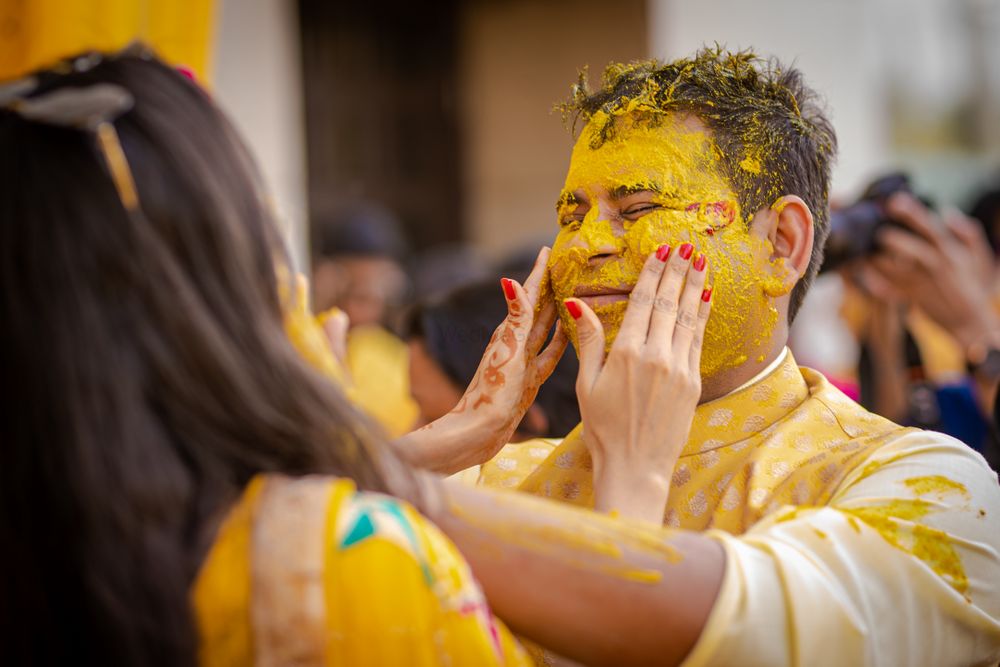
(303, 559)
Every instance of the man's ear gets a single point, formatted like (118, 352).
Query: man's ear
(788, 226)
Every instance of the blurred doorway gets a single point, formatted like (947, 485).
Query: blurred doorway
(381, 113)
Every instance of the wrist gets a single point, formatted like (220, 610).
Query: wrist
(450, 444)
(636, 494)
(982, 332)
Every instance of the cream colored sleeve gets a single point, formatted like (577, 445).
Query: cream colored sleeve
(902, 568)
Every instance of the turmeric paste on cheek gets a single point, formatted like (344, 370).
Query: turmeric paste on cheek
(678, 165)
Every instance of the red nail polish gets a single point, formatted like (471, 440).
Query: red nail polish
(706, 295)
(663, 253)
(508, 288)
(686, 250)
(574, 309)
(699, 263)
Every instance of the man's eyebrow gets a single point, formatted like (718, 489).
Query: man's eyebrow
(567, 199)
(623, 191)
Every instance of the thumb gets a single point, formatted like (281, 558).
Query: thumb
(335, 324)
(590, 337)
(302, 294)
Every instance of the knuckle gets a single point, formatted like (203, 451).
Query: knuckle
(663, 364)
(678, 269)
(641, 296)
(665, 304)
(631, 353)
(687, 320)
(654, 267)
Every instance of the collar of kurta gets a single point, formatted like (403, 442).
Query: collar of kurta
(730, 420)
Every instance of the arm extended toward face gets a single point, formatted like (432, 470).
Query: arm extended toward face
(595, 589)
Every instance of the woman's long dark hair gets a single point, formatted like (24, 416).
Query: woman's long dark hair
(146, 374)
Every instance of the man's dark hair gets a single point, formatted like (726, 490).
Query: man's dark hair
(770, 127)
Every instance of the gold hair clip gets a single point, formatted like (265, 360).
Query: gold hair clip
(90, 109)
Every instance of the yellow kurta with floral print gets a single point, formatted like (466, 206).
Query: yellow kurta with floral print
(849, 539)
(311, 572)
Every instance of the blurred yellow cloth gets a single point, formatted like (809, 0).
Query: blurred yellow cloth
(38, 33)
(308, 571)
(379, 364)
(306, 334)
(377, 377)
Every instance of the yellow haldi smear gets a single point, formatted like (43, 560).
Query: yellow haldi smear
(935, 484)
(896, 522)
(750, 164)
(602, 537)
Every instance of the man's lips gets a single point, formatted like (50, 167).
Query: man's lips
(602, 296)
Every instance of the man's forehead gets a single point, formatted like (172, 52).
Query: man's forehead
(624, 128)
(640, 154)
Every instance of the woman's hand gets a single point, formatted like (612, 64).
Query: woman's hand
(335, 324)
(505, 384)
(637, 405)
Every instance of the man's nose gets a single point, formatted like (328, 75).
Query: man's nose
(600, 236)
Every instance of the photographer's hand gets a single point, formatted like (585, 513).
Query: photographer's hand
(938, 271)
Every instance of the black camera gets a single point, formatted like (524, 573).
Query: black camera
(854, 230)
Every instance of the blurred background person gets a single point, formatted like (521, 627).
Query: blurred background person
(357, 269)
(356, 263)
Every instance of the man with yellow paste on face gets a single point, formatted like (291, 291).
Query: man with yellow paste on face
(848, 539)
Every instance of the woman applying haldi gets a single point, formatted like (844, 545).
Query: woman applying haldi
(167, 445)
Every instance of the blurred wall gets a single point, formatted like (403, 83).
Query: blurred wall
(833, 42)
(257, 80)
(517, 59)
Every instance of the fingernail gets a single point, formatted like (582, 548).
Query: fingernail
(699, 263)
(686, 250)
(706, 294)
(508, 289)
(663, 253)
(574, 309)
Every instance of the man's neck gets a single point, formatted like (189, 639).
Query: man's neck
(726, 382)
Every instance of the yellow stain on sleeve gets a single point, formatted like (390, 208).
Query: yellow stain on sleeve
(935, 484)
(896, 522)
